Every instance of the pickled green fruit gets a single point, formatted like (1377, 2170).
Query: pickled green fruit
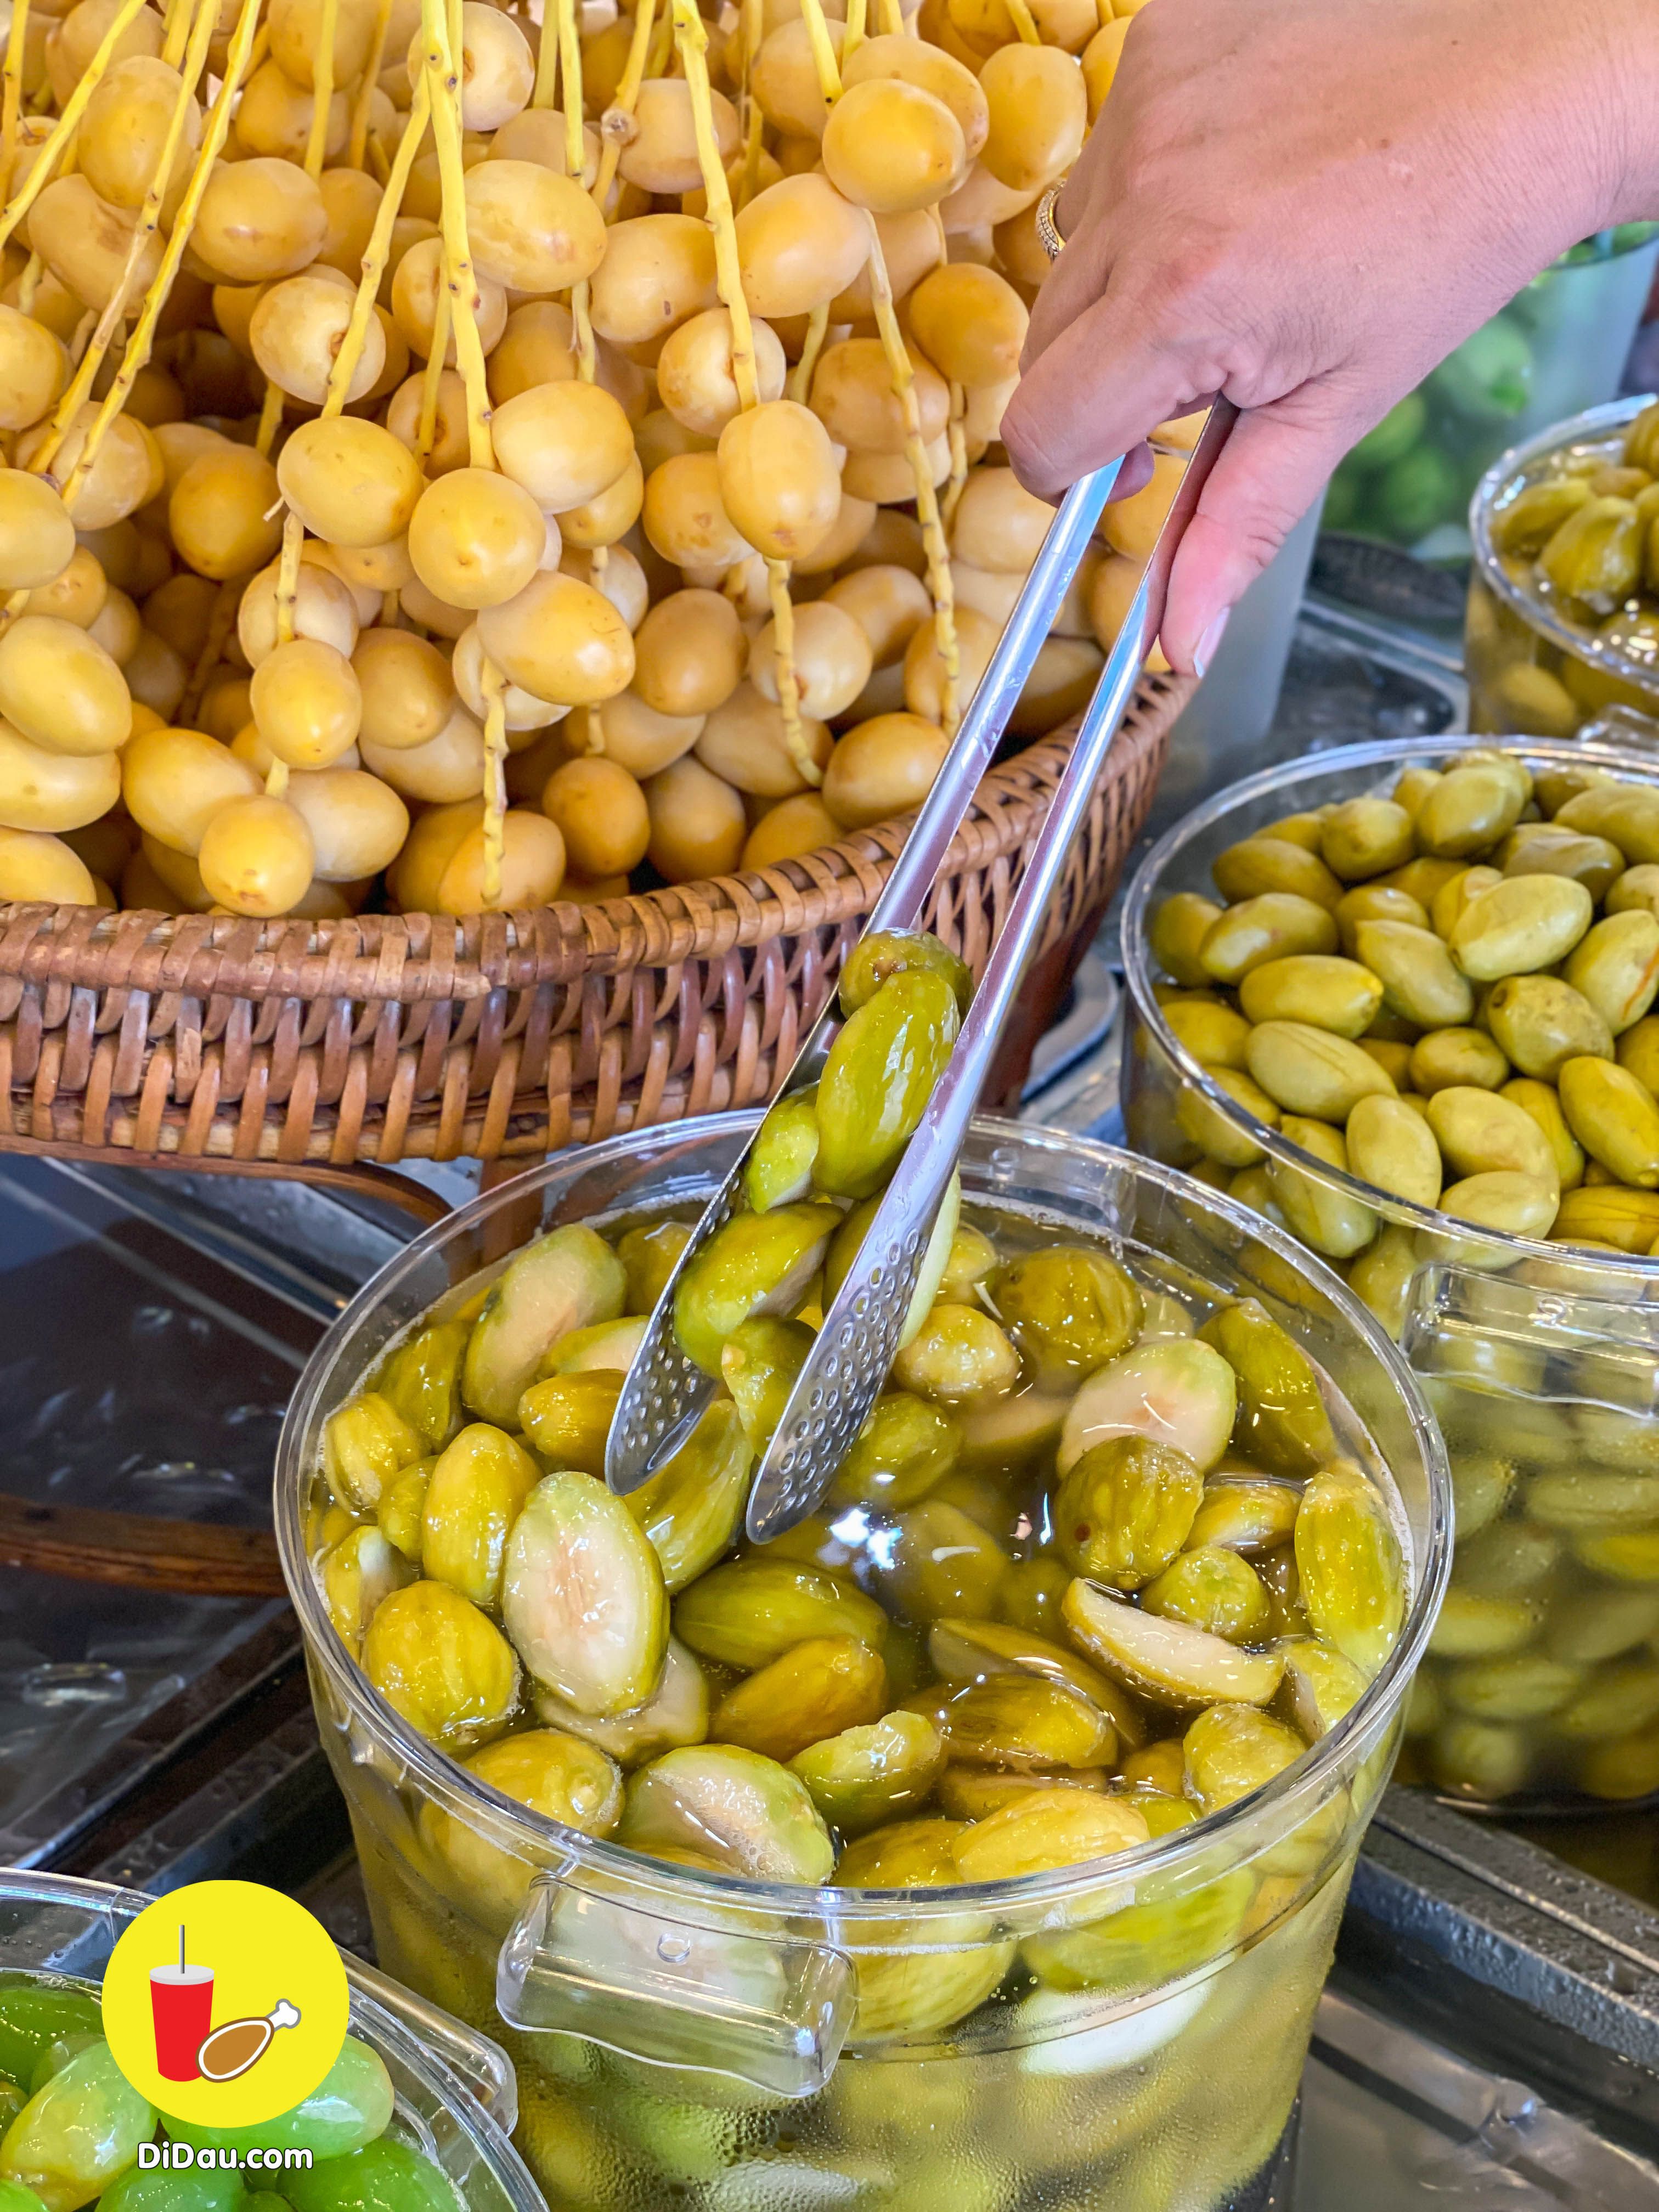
(745, 1810)
(879, 1075)
(1413, 787)
(1390, 1146)
(367, 1444)
(1173, 1391)
(1281, 1419)
(159, 2190)
(1124, 1508)
(1309, 1071)
(1320, 1687)
(1178, 929)
(357, 1574)
(1046, 1829)
(1374, 903)
(1614, 1702)
(976, 1650)
(474, 1493)
(1244, 1513)
(1481, 1483)
(1068, 1308)
(1177, 1925)
(383, 2174)
(1481, 1133)
(1419, 980)
(1454, 896)
(350, 2108)
(973, 1793)
(755, 1264)
(1207, 1126)
(1479, 1759)
(1306, 829)
(1446, 1057)
(1616, 966)
(442, 1664)
(887, 952)
(1540, 1023)
(779, 1169)
(1614, 1116)
(1162, 1814)
(1381, 1278)
(1257, 930)
(558, 1776)
(1509, 1204)
(1233, 1749)
(972, 1256)
(1468, 811)
(1539, 848)
(1471, 1626)
(1595, 555)
(960, 1355)
(402, 1508)
(566, 1280)
(692, 1507)
(1593, 1501)
(1627, 1767)
(1524, 923)
(1166, 1660)
(1632, 1557)
(1029, 1595)
(1366, 837)
(909, 1992)
(1214, 1034)
(944, 1563)
(421, 1381)
(848, 1241)
(1628, 1220)
(1262, 865)
(1424, 877)
(34, 2015)
(1315, 1211)
(1019, 1720)
(1635, 890)
(1348, 1557)
(759, 1362)
(1529, 521)
(78, 2133)
(1213, 1589)
(606, 1348)
(1329, 993)
(582, 1596)
(747, 1612)
(649, 1255)
(566, 1418)
(1638, 1047)
(904, 1450)
(1540, 1104)
(870, 1773)
(676, 1713)
(1626, 814)
(1524, 1686)
(816, 1689)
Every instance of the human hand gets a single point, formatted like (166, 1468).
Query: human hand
(1306, 204)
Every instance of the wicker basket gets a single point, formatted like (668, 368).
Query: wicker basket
(207, 1040)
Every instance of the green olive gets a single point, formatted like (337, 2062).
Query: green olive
(1468, 811)
(1260, 865)
(1543, 848)
(1416, 971)
(1616, 966)
(1366, 837)
(879, 1075)
(1309, 1071)
(1207, 1127)
(1480, 1759)
(1381, 1278)
(1594, 554)
(1376, 902)
(1614, 1116)
(1390, 1145)
(944, 1563)
(1479, 1132)
(1270, 927)
(1454, 896)
(960, 1355)
(1531, 517)
(1176, 931)
(759, 1362)
(1635, 890)
(558, 1776)
(1046, 1829)
(1019, 1720)
(1214, 1034)
(1320, 1687)
(1245, 1513)
(676, 1713)
(1522, 924)
(357, 1574)
(1540, 1022)
(887, 952)
(1446, 1057)
(566, 1280)
(401, 1508)
(1626, 814)
(1328, 1220)
(1340, 995)
(1523, 1686)
(1627, 1220)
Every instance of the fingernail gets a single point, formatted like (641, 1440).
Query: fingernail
(1204, 652)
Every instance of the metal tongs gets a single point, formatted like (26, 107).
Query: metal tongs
(665, 1393)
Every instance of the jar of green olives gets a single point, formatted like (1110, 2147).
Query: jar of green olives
(980, 1839)
(1426, 1046)
(1562, 630)
(413, 2115)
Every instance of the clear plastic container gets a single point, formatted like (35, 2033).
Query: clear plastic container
(1540, 1360)
(691, 2038)
(1533, 671)
(1558, 346)
(457, 2097)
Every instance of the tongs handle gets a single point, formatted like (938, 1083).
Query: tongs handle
(849, 1362)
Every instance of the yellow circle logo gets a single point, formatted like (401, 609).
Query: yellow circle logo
(225, 2004)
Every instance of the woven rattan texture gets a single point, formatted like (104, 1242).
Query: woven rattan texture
(391, 1037)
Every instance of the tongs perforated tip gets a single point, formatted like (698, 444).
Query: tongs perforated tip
(848, 1365)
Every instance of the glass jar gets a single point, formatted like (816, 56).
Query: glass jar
(1541, 1361)
(1532, 669)
(1558, 346)
(1130, 2032)
(456, 2100)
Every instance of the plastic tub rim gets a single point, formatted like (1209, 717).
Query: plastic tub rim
(1310, 1779)
(1388, 753)
(1540, 615)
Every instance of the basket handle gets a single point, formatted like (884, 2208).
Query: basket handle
(423, 1205)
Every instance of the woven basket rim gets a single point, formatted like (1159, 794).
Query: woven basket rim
(414, 957)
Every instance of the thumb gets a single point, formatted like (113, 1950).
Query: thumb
(1268, 474)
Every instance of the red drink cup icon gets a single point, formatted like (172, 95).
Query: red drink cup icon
(181, 2007)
